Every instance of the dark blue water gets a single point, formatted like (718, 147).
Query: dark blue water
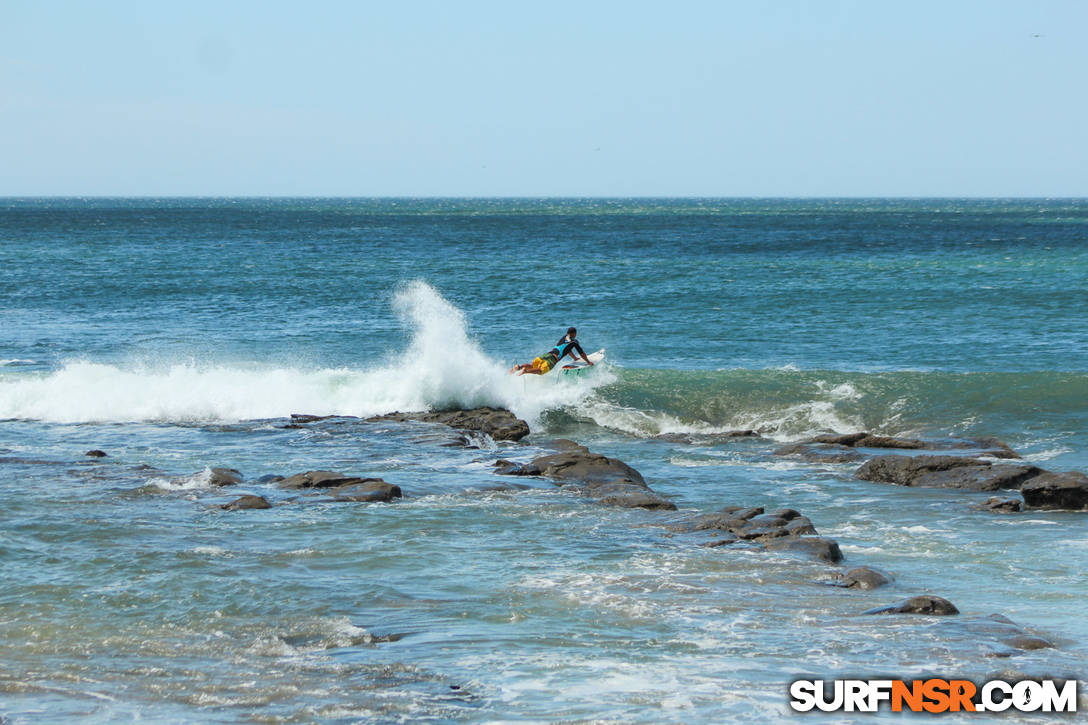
(179, 334)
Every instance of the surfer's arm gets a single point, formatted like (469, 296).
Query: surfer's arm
(582, 353)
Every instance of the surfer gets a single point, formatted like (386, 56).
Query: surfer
(567, 345)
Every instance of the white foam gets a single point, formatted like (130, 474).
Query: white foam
(15, 361)
(442, 367)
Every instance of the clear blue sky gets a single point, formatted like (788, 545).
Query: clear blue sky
(983, 98)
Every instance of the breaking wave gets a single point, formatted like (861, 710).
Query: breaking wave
(442, 367)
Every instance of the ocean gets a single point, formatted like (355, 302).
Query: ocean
(180, 335)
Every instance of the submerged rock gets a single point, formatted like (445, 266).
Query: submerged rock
(499, 423)
(1057, 491)
(945, 472)
(1002, 630)
(704, 438)
(999, 505)
(224, 477)
(95, 454)
(925, 604)
(778, 530)
(369, 490)
(988, 446)
(247, 501)
(818, 547)
(820, 452)
(863, 577)
(609, 480)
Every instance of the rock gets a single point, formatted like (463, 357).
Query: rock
(989, 446)
(945, 472)
(322, 479)
(369, 490)
(1057, 491)
(270, 478)
(224, 477)
(1029, 642)
(302, 419)
(820, 452)
(500, 424)
(95, 454)
(863, 577)
(627, 495)
(1003, 630)
(247, 501)
(872, 441)
(564, 444)
(817, 547)
(608, 480)
(585, 466)
(704, 438)
(999, 505)
(925, 604)
(504, 467)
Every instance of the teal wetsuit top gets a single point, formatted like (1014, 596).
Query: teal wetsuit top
(564, 347)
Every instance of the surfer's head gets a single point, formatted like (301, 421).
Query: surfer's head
(571, 333)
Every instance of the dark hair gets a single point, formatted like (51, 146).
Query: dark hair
(571, 332)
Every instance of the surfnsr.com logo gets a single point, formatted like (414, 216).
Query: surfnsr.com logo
(933, 695)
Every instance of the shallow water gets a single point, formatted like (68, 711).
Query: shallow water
(179, 335)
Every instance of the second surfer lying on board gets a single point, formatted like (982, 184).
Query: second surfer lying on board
(567, 345)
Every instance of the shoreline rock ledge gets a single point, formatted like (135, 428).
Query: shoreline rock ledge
(499, 423)
(609, 480)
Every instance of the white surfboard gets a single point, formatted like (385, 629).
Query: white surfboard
(581, 367)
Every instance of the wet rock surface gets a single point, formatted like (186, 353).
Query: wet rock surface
(342, 486)
(224, 477)
(778, 530)
(1008, 636)
(820, 452)
(945, 472)
(925, 604)
(1000, 505)
(95, 454)
(608, 480)
(248, 501)
(499, 423)
(863, 577)
(1057, 491)
(987, 446)
(695, 439)
(369, 490)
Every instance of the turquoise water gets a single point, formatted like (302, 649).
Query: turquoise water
(178, 335)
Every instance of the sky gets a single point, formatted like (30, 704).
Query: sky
(784, 98)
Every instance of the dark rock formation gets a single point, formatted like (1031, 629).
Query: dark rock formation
(779, 530)
(705, 438)
(324, 480)
(95, 454)
(945, 472)
(224, 477)
(925, 604)
(988, 446)
(867, 440)
(1003, 630)
(247, 501)
(820, 452)
(1057, 491)
(608, 480)
(498, 423)
(369, 490)
(863, 577)
(342, 487)
(817, 547)
(1000, 505)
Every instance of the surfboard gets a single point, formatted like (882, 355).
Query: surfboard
(579, 368)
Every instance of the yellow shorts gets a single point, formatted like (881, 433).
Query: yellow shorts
(542, 364)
